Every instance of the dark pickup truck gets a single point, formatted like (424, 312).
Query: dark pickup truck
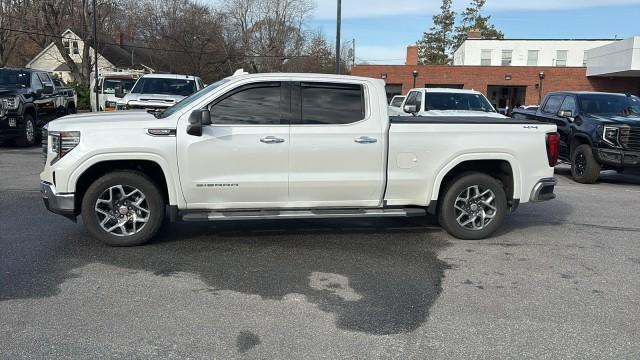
(597, 130)
(28, 100)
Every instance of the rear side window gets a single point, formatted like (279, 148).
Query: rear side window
(332, 103)
(397, 101)
(257, 103)
(553, 104)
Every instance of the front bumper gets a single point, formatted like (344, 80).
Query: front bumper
(57, 203)
(543, 190)
(619, 158)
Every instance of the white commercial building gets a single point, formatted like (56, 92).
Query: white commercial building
(619, 59)
(526, 52)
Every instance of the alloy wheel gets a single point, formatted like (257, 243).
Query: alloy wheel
(475, 207)
(122, 210)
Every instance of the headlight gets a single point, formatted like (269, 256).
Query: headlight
(62, 142)
(611, 136)
(11, 103)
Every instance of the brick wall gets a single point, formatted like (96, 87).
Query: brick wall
(479, 77)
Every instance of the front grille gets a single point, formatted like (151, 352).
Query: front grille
(630, 138)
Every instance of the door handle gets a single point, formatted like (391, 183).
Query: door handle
(365, 140)
(271, 140)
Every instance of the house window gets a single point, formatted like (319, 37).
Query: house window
(532, 58)
(67, 46)
(485, 57)
(506, 57)
(76, 50)
(584, 58)
(561, 58)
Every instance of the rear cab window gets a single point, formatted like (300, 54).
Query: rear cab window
(331, 103)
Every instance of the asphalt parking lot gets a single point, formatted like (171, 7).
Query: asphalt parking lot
(560, 280)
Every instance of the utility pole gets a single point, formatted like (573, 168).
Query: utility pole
(353, 53)
(339, 21)
(95, 55)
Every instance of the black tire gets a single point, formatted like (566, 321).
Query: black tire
(128, 179)
(447, 215)
(584, 167)
(28, 136)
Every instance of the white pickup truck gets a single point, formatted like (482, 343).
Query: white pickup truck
(272, 146)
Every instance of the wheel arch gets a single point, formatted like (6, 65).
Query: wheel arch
(503, 167)
(151, 165)
(578, 139)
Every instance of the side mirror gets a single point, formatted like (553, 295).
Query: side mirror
(47, 89)
(410, 109)
(118, 92)
(197, 120)
(568, 114)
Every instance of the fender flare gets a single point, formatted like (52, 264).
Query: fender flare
(515, 168)
(175, 197)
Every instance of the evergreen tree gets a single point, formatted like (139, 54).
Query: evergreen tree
(436, 44)
(472, 19)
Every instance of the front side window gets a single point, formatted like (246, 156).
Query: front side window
(553, 104)
(414, 98)
(44, 78)
(257, 103)
(532, 57)
(569, 104)
(485, 57)
(561, 58)
(164, 86)
(610, 104)
(332, 103)
(36, 84)
(506, 57)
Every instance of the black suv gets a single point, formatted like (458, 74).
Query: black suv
(597, 130)
(28, 100)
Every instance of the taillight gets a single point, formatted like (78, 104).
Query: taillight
(553, 148)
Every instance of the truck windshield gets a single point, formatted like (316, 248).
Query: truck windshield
(190, 100)
(109, 86)
(457, 101)
(610, 104)
(14, 78)
(164, 86)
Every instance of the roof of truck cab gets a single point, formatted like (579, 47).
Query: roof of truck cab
(585, 93)
(446, 90)
(311, 76)
(169, 76)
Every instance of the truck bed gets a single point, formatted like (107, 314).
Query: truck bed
(459, 120)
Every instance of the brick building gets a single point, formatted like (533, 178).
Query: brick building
(504, 86)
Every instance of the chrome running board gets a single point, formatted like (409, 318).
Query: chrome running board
(300, 214)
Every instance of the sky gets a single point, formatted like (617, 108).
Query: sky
(383, 28)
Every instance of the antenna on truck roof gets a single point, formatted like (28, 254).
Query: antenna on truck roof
(240, 72)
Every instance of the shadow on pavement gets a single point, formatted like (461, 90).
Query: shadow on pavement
(377, 276)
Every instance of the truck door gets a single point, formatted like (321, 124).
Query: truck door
(337, 151)
(549, 114)
(242, 159)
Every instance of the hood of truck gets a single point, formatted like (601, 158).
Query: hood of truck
(633, 120)
(124, 119)
(11, 91)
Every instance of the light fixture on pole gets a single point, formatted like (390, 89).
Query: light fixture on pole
(415, 76)
(541, 76)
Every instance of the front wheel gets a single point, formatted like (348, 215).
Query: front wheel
(584, 167)
(28, 136)
(123, 208)
(473, 206)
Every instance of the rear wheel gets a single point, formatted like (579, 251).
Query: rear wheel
(123, 208)
(28, 136)
(584, 167)
(473, 206)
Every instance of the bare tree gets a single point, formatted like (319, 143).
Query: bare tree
(12, 22)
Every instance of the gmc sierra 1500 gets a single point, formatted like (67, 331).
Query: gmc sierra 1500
(271, 146)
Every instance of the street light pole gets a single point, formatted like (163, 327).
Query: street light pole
(95, 55)
(339, 21)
